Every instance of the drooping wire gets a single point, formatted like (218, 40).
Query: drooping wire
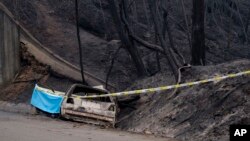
(79, 41)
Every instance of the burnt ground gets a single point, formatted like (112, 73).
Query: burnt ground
(60, 36)
(52, 23)
(198, 113)
(201, 112)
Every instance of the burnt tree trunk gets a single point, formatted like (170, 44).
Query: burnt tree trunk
(198, 34)
(159, 33)
(123, 33)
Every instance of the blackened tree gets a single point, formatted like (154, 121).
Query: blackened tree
(198, 34)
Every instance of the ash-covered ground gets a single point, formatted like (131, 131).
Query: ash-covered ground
(202, 112)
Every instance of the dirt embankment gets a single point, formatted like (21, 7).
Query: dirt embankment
(31, 73)
(201, 112)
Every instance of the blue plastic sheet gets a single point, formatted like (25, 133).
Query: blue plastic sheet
(46, 100)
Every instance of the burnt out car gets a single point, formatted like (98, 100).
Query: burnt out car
(100, 111)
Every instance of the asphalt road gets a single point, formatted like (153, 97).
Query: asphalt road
(17, 127)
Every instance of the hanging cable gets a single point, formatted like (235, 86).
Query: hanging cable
(79, 41)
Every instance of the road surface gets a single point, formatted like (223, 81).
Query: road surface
(17, 127)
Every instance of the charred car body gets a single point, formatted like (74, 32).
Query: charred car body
(101, 111)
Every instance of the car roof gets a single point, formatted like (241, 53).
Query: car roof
(87, 89)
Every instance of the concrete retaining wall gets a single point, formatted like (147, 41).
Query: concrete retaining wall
(9, 49)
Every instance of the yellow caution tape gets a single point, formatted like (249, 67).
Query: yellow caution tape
(149, 90)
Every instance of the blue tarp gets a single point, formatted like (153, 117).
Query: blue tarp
(46, 100)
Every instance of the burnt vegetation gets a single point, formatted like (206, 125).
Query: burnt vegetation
(137, 44)
(158, 35)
